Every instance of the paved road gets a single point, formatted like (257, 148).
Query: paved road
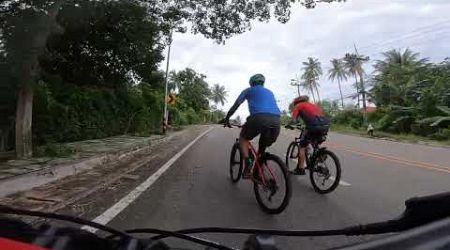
(378, 176)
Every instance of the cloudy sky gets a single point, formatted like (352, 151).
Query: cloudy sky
(328, 31)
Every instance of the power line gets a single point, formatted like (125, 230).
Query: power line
(416, 37)
(420, 31)
(411, 44)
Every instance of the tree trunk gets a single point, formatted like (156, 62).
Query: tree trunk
(28, 75)
(317, 90)
(312, 93)
(24, 115)
(363, 90)
(298, 89)
(340, 91)
(357, 88)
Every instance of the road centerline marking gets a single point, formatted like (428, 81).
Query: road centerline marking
(418, 164)
(123, 203)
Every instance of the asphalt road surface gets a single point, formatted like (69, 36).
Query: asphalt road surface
(378, 176)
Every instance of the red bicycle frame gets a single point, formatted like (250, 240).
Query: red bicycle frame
(259, 166)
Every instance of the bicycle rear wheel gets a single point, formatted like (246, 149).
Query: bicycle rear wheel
(291, 153)
(236, 163)
(326, 172)
(273, 196)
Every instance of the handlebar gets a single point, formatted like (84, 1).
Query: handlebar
(296, 126)
(418, 212)
(229, 125)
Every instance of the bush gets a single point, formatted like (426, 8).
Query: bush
(53, 150)
(64, 113)
(193, 117)
(423, 129)
(441, 135)
(351, 117)
(355, 123)
(374, 117)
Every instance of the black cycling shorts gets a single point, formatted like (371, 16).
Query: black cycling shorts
(313, 134)
(266, 125)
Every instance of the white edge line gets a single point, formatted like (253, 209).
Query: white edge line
(341, 182)
(113, 211)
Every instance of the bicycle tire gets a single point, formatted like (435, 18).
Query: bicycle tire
(235, 177)
(288, 187)
(337, 178)
(290, 153)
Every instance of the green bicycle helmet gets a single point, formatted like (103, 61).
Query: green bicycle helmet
(257, 79)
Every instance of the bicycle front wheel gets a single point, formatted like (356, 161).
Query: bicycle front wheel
(236, 163)
(291, 153)
(272, 186)
(326, 172)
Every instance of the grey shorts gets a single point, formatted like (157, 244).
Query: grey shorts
(267, 125)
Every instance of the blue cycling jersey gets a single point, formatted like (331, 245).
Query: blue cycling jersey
(260, 100)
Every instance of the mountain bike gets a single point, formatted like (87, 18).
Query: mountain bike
(323, 165)
(271, 181)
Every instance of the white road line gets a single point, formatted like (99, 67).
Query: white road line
(341, 182)
(113, 211)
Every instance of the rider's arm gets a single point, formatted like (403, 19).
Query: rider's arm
(237, 103)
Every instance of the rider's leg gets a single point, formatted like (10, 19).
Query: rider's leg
(244, 144)
(304, 141)
(301, 157)
(248, 132)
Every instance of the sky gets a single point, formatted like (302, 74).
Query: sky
(328, 31)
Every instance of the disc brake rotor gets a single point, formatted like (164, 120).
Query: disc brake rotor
(271, 187)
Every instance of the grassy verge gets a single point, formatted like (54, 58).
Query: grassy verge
(389, 136)
(53, 150)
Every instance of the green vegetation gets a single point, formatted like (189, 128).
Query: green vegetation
(412, 97)
(311, 73)
(411, 138)
(411, 94)
(339, 73)
(72, 70)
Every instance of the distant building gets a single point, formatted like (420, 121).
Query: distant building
(370, 109)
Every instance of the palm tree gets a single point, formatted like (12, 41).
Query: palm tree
(398, 67)
(405, 59)
(312, 71)
(218, 94)
(394, 73)
(353, 63)
(338, 72)
(308, 86)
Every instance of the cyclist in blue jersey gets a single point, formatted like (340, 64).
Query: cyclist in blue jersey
(264, 118)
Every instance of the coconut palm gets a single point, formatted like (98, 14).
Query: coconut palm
(218, 94)
(312, 71)
(395, 74)
(354, 65)
(309, 87)
(406, 59)
(338, 72)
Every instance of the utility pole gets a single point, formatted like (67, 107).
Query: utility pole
(295, 82)
(165, 115)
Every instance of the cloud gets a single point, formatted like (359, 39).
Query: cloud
(327, 32)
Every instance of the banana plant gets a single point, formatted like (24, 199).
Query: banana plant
(437, 121)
